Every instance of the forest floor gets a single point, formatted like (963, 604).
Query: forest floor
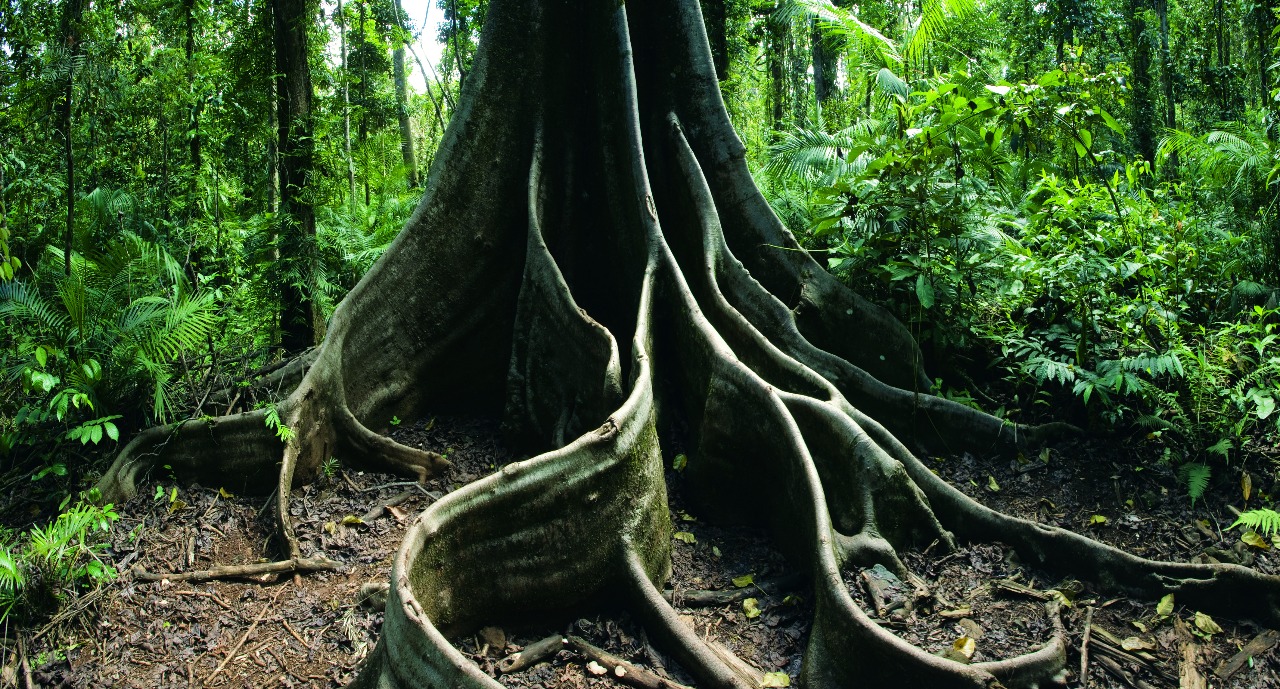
(729, 583)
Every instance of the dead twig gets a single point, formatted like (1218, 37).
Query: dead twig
(1257, 646)
(621, 670)
(295, 635)
(1084, 647)
(380, 508)
(317, 563)
(532, 654)
(205, 594)
(236, 649)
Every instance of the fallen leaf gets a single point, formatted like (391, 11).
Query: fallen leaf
(775, 679)
(396, 512)
(1165, 608)
(744, 581)
(176, 505)
(685, 536)
(596, 668)
(715, 551)
(992, 485)
(1206, 624)
(351, 520)
(1246, 485)
(1141, 627)
(1044, 455)
(1097, 519)
(680, 462)
(331, 527)
(1134, 643)
(751, 607)
(965, 646)
(223, 492)
(1252, 538)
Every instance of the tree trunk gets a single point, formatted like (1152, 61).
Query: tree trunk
(72, 13)
(714, 16)
(301, 322)
(346, 106)
(824, 67)
(1142, 106)
(1166, 76)
(402, 107)
(196, 106)
(590, 253)
(776, 56)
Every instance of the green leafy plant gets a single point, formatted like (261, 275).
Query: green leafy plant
(1264, 521)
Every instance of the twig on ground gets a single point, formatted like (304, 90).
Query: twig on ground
(205, 594)
(1084, 647)
(317, 563)
(1257, 646)
(380, 508)
(621, 670)
(295, 635)
(1123, 675)
(710, 599)
(236, 649)
(532, 654)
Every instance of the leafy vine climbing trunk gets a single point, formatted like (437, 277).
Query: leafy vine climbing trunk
(592, 260)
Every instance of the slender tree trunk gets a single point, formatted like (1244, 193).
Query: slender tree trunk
(72, 13)
(1142, 126)
(346, 105)
(776, 56)
(273, 148)
(402, 106)
(196, 105)
(799, 68)
(364, 114)
(1166, 76)
(458, 27)
(714, 16)
(301, 322)
(823, 68)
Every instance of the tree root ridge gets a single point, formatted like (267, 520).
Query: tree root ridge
(639, 225)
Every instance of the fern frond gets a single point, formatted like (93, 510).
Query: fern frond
(1264, 521)
(1196, 477)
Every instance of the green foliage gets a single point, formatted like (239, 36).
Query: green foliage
(1195, 476)
(1264, 521)
(39, 568)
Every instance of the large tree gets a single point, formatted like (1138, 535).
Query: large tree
(592, 260)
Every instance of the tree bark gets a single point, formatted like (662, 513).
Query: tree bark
(72, 14)
(301, 321)
(346, 106)
(402, 105)
(776, 56)
(1142, 106)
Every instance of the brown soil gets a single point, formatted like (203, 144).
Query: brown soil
(311, 632)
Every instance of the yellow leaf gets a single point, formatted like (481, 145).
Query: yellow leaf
(775, 679)
(1097, 519)
(744, 581)
(352, 520)
(992, 485)
(1165, 608)
(176, 505)
(1252, 538)
(223, 492)
(965, 646)
(1206, 624)
(1246, 485)
(751, 607)
(331, 527)
(685, 536)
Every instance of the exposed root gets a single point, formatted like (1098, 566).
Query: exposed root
(620, 670)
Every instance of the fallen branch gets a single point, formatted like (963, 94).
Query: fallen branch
(1123, 675)
(379, 509)
(1010, 586)
(204, 594)
(1257, 646)
(236, 649)
(711, 599)
(621, 670)
(318, 563)
(532, 654)
(1084, 648)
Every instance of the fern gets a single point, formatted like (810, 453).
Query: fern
(1196, 477)
(1264, 521)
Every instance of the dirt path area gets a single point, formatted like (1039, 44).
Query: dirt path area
(730, 584)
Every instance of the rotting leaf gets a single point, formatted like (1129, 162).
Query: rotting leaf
(775, 679)
(1141, 627)
(331, 528)
(992, 485)
(685, 536)
(745, 580)
(176, 505)
(1252, 538)
(680, 462)
(1134, 643)
(1206, 624)
(1246, 485)
(1165, 608)
(751, 607)
(965, 646)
